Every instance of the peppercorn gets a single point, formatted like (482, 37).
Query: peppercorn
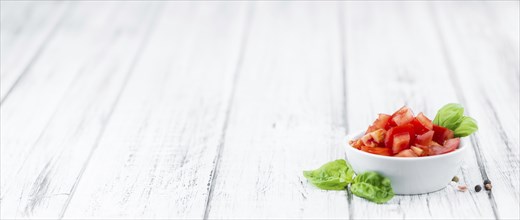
(488, 186)
(455, 179)
(487, 182)
(478, 188)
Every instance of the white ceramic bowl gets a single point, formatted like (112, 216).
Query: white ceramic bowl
(415, 175)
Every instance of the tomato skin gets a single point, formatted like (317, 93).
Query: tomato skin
(402, 116)
(377, 150)
(422, 124)
(449, 146)
(425, 139)
(379, 123)
(389, 138)
(401, 142)
(425, 121)
(441, 134)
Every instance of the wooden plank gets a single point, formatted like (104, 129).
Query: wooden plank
(57, 111)
(393, 58)
(481, 41)
(25, 27)
(155, 158)
(286, 117)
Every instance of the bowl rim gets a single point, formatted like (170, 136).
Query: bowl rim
(351, 136)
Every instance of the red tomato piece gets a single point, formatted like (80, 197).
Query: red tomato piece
(422, 124)
(401, 142)
(406, 153)
(449, 146)
(389, 137)
(425, 139)
(426, 149)
(441, 134)
(379, 123)
(402, 116)
(377, 150)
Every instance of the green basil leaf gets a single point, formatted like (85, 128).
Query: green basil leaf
(466, 127)
(335, 175)
(449, 116)
(372, 186)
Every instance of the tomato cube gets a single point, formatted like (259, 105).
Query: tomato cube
(401, 142)
(377, 150)
(389, 137)
(417, 150)
(422, 124)
(379, 123)
(449, 146)
(425, 139)
(402, 116)
(406, 153)
(441, 134)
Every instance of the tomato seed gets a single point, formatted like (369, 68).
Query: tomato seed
(488, 186)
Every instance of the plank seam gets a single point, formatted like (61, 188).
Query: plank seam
(459, 94)
(342, 36)
(155, 14)
(220, 147)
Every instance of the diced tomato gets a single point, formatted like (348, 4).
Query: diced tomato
(389, 137)
(452, 144)
(402, 116)
(425, 139)
(422, 124)
(379, 123)
(417, 150)
(449, 146)
(366, 139)
(401, 142)
(378, 135)
(426, 149)
(406, 153)
(356, 143)
(377, 150)
(441, 134)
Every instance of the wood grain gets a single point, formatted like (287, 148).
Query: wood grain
(155, 158)
(63, 104)
(286, 117)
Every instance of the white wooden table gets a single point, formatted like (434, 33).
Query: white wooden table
(213, 109)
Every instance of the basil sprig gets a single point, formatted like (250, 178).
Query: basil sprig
(372, 186)
(452, 116)
(336, 175)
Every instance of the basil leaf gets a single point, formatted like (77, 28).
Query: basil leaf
(335, 175)
(449, 116)
(466, 127)
(372, 186)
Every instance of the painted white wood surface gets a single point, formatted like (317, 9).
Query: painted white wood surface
(213, 109)
(157, 154)
(286, 116)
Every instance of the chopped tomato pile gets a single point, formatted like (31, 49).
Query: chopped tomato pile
(404, 135)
